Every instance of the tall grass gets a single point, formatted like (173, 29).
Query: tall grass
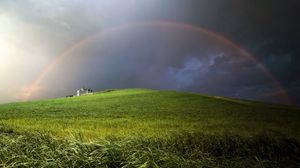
(23, 149)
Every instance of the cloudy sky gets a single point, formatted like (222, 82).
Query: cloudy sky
(237, 48)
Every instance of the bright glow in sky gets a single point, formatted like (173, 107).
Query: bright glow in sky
(20, 56)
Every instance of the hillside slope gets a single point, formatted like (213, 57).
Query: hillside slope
(149, 113)
(148, 128)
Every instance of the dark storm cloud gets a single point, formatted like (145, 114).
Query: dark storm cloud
(267, 28)
(160, 58)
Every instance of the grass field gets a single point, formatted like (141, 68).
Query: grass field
(140, 127)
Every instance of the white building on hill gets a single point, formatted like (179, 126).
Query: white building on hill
(83, 91)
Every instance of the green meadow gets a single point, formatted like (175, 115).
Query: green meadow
(149, 128)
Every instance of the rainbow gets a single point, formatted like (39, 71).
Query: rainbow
(26, 95)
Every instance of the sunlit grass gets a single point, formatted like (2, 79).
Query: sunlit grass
(94, 129)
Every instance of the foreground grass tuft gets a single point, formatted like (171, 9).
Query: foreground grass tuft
(184, 150)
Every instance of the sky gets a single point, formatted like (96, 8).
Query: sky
(246, 49)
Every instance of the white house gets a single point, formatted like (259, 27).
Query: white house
(83, 91)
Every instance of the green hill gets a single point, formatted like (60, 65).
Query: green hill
(149, 113)
(189, 129)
